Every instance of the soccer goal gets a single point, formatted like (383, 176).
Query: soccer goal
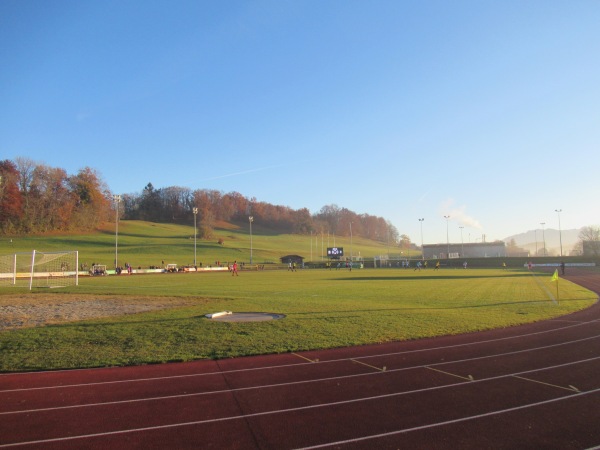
(40, 269)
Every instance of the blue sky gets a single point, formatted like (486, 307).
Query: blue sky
(485, 111)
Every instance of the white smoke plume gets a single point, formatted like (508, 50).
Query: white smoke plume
(458, 214)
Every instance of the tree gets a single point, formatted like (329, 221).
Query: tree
(11, 200)
(51, 202)
(176, 202)
(150, 204)
(92, 199)
(589, 239)
(404, 242)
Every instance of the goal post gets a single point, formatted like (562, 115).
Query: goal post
(40, 269)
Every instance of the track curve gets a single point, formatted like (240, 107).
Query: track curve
(532, 386)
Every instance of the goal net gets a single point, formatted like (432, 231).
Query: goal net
(40, 269)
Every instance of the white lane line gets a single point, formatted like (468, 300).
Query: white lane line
(570, 388)
(324, 405)
(302, 357)
(283, 366)
(380, 369)
(494, 355)
(293, 383)
(469, 378)
(449, 422)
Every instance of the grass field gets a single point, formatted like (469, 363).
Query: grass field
(323, 309)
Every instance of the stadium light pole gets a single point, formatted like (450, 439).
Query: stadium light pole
(462, 242)
(544, 236)
(447, 236)
(422, 251)
(350, 241)
(195, 211)
(117, 200)
(250, 220)
(558, 211)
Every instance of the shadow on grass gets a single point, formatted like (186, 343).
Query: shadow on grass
(306, 315)
(418, 276)
(436, 308)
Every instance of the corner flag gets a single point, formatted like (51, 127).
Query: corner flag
(555, 278)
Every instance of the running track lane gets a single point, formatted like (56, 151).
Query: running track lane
(533, 386)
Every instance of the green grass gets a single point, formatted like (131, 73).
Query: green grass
(323, 308)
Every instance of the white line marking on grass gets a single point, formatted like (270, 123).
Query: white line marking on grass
(544, 288)
(342, 402)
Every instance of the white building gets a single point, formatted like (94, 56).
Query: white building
(476, 250)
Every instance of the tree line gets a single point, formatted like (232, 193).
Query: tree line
(36, 198)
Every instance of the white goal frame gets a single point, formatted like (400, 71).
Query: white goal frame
(40, 269)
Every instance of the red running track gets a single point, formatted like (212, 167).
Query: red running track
(533, 386)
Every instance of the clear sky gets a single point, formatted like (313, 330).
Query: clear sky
(486, 111)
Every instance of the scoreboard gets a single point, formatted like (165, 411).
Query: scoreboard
(335, 252)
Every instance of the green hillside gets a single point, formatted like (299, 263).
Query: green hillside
(147, 244)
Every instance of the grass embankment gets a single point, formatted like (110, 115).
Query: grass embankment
(147, 244)
(323, 308)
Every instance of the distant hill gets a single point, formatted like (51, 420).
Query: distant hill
(528, 240)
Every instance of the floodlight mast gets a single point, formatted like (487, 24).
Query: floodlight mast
(195, 211)
(422, 251)
(250, 220)
(558, 211)
(544, 236)
(447, 237)
(350, 241)
(117, 200)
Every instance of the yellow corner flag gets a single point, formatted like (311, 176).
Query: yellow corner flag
(555, 278)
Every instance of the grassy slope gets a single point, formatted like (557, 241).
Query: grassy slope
(145, 243)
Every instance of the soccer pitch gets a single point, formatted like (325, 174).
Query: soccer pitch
(322, 309)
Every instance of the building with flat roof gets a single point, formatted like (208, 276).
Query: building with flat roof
(472, 250)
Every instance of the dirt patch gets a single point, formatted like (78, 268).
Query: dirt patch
(33, 310)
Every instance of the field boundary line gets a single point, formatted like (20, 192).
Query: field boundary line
(544, 288)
